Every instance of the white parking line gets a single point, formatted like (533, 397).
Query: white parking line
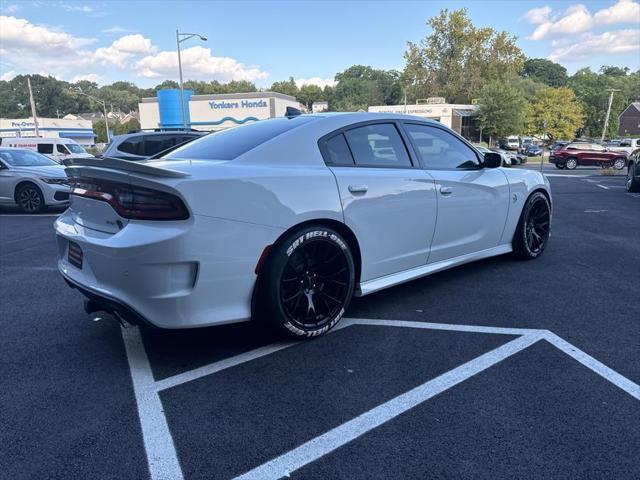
(564, 175)
(602, 186)
(318, 447)
(158, 442)
(160, 449)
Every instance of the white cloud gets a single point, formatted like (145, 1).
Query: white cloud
(28, 47)
(625, 11)
(538, 15)
(197, 64)
(6, 76)
(320, 82)
(122, 50)
(620, 41)
(91, 77)
(76, 8)
(578, 19)
(115, 30)
(18, 34)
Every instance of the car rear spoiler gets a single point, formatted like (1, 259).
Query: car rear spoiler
(111, 163)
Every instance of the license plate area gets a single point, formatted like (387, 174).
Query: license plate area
(75, 255)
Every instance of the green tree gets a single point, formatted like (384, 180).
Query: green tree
(309, 94)
(287, 87)
(545, 71)
(457, 59)
(360, 86)
(501, 110)
(555, 110)
(592, 90)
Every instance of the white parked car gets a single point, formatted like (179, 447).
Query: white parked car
(58, 149)
(286, 219)
(32, 181)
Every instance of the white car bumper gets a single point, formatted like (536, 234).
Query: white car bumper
(171, 274)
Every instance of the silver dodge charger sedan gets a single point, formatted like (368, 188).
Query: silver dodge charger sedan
(284, 220)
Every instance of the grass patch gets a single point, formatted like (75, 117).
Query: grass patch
(608, 172)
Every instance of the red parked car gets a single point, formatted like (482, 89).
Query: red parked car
(574, 154)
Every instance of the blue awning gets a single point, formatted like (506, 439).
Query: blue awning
(76, 134)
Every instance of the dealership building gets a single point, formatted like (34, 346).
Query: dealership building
(77, 129)
(458, 117)
(212, 112)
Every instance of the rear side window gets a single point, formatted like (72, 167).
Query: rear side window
(338, 152)
(231, 143)
(378, 145)
(153, 144)
(133, 146)
(439, 149)
(45, 148)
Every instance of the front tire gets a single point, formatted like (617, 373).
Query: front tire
(532, 232)
(307, 283)
(30, 199)
(632, 184)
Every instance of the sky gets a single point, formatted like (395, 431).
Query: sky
(267, 41)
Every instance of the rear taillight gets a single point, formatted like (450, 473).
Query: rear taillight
(132, 201)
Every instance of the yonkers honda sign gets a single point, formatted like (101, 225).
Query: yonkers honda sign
(223, 104)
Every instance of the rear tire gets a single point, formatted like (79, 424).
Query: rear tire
(532, 232)
(632, 183)
(30, 199)
(307, 283)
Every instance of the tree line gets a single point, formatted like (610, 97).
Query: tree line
(456, 60)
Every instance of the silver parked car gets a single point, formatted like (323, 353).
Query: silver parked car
(32, 181)
(286, 219)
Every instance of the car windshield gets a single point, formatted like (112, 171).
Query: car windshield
(25, 158)
(232, 143)
(75, 148)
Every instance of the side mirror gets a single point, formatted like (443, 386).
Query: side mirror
(492, 160)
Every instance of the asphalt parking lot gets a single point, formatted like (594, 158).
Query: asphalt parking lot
(496, 369)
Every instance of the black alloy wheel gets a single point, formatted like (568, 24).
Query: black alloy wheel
(30, 199)
(533, 228)
(308, 282)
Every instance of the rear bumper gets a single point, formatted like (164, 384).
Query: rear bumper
(184, 274)
(102, 302)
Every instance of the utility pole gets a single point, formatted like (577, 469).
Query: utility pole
(606, 120)
(33, 109)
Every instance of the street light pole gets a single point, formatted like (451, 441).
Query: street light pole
(104, 109)
(179, 40)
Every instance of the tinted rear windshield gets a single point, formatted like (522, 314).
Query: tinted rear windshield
(232, 143)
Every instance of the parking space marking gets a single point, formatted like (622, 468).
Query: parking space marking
(160, 449)
(306, 453)
(158, 443)
(602, 186)
(594, 365)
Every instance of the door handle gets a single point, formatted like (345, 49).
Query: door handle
(358, 188)
(446, 191)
